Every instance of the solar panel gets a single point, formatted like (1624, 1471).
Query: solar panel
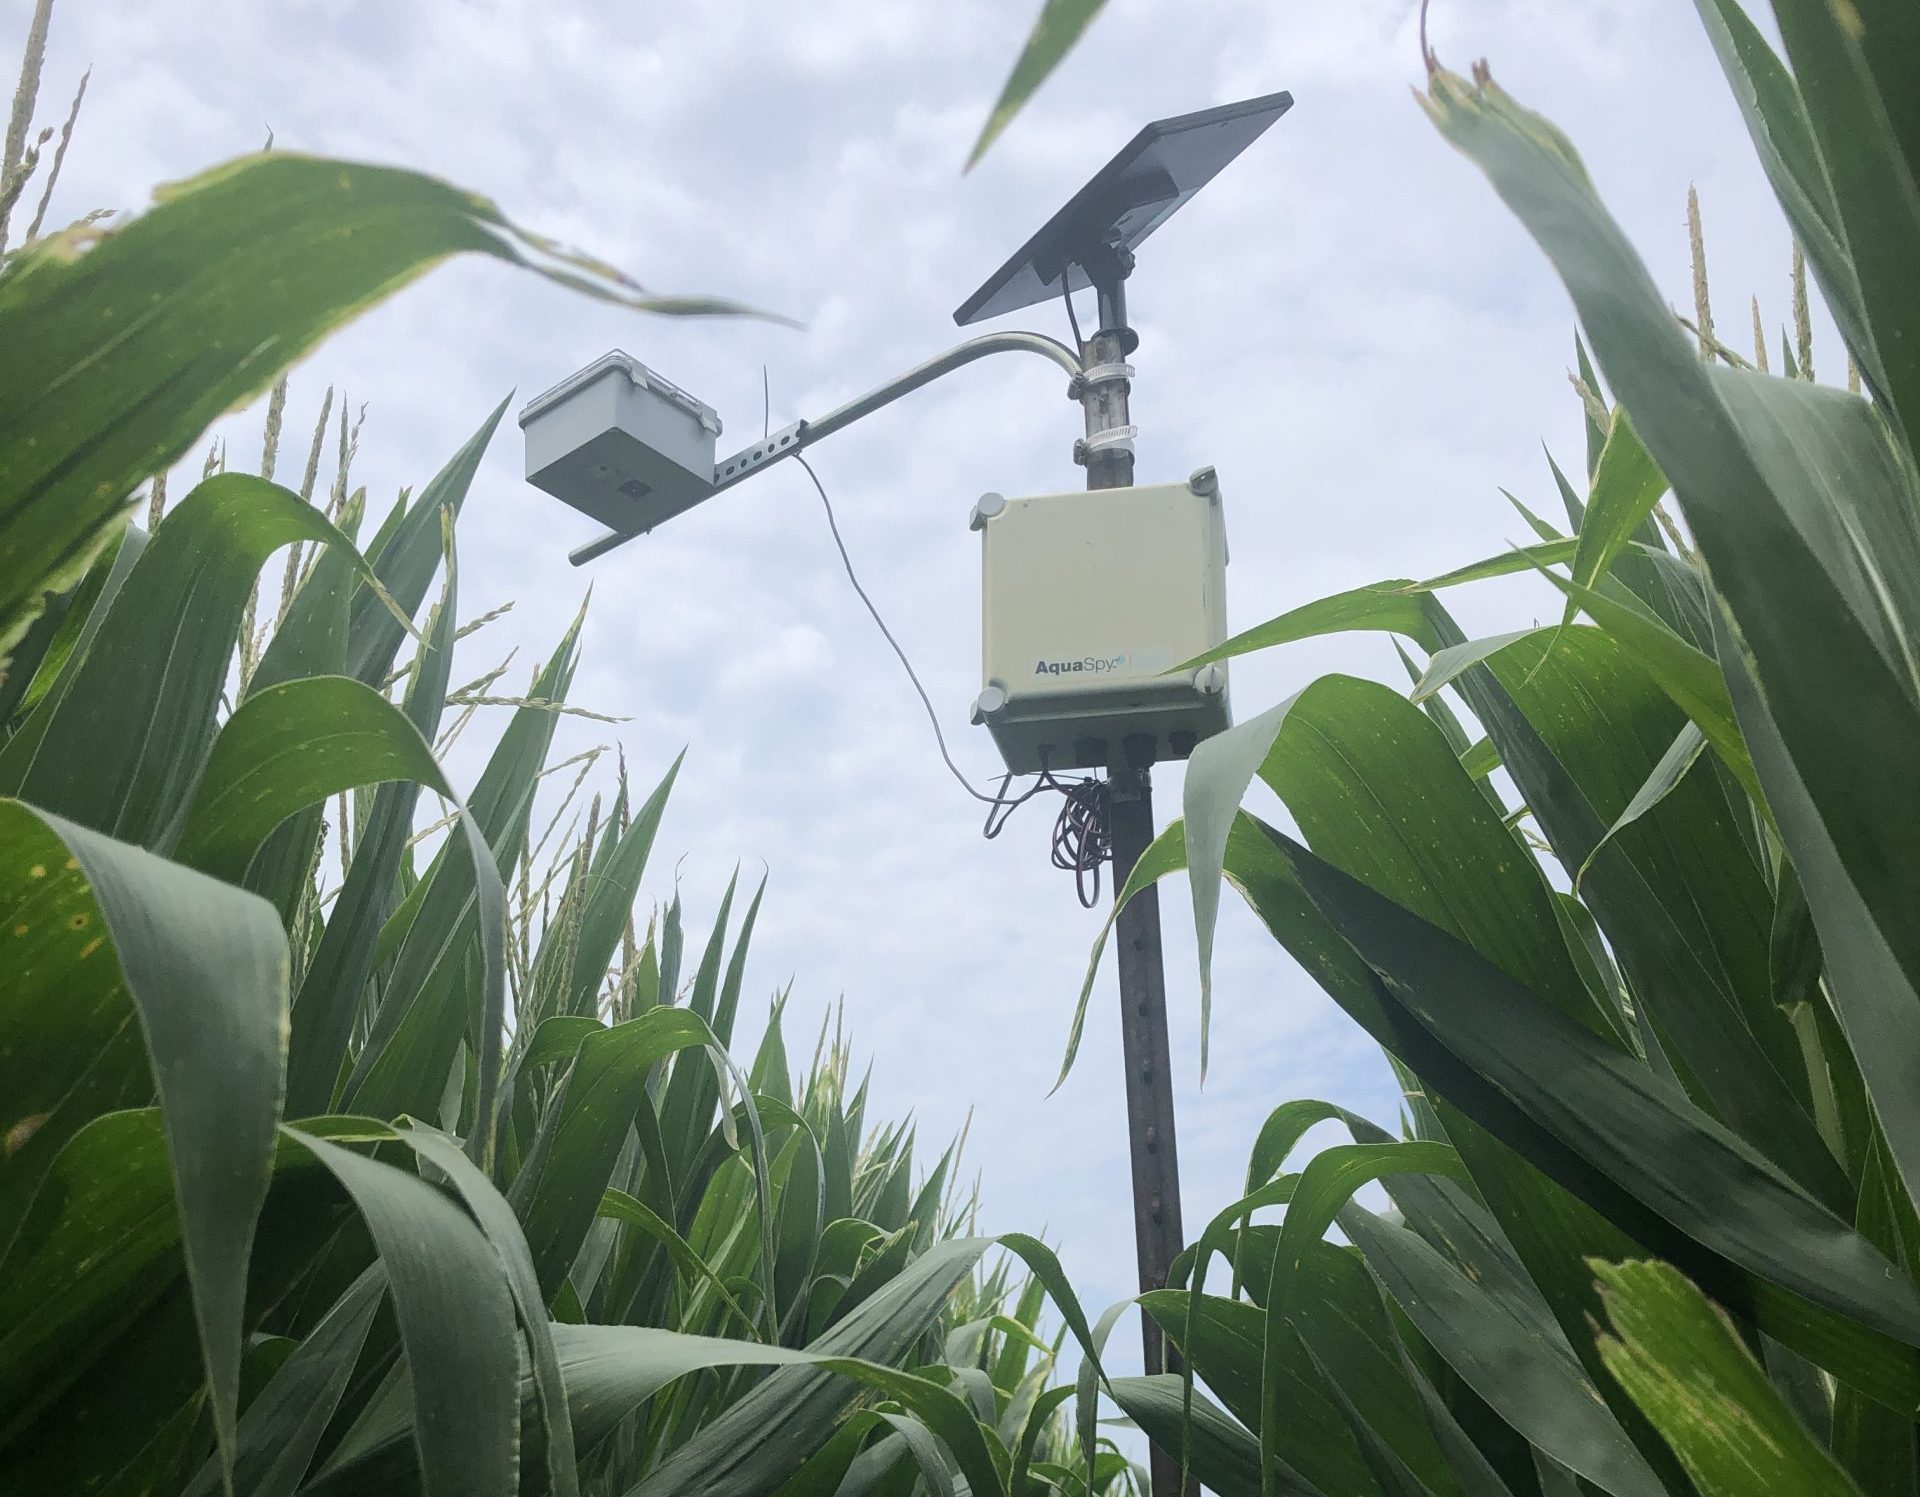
(1126, 200)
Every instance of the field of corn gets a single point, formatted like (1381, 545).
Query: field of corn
(356, 1136)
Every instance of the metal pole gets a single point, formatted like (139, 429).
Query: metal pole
(1103, 388)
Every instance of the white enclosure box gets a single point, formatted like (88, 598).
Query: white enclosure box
(620, 443)
(1090, 600)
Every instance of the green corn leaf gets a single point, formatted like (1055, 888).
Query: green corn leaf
(1061, 24)
(612, 1370)
(1875, 1443)
(768, 1433)
(294, 745)
(405, 559)
(1874, 183)
(926, 1452)
(1503, 1341)
(456, 1322)
(618, 1206)
(1395, 1477)
(1540, 528)
(104, 936)
(1449, 664)
(1789, 490)
(1547, 1224)
(311, 638)
(151, 681)
(330, 991)
(800, 1220)
(770, 1071)
(1638, 1133)
(1165, 854)
(1390, 606)
(610, 899)
(1889, 39)
(424, 1016)
(1038, 1418)
(497, 1221)
(1688, 675)
(60, 636)
(1680, 897)
(1226, 1458)
(1505, 564)
(559, 1190)
(1327, 1184)
(683, 1119)
(289, 747)
(233, 275)
(63, 1298)
(1397, 606)
(1776, 120)
(1626, 486)
(1225, 1342)
(281, 1428)
(1667, 774)
(1480, 759)
(1685, 1365)
(1363, 770)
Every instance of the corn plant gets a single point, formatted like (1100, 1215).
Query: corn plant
(1642, 942)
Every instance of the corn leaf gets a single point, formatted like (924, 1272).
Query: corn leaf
(157, 328)
(330, 990)
(1685, 1366)
(1874, 183)
(768, 1433)
(109, 931)
(1790, 491)
(1060, 25)
(1626, 486)
(496, 1220)
(1503, 1341)
(422, 1020)
(1226, 1458)
(153, 691)
(559, 1190)
(281, 1428)
(1639, 1133)
(456, 1323)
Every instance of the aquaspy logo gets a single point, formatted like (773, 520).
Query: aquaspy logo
(1086, 664)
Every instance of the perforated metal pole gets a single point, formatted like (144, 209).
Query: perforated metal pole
(1108, 452)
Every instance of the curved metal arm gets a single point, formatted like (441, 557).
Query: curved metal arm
(923, 374)
(789, 440)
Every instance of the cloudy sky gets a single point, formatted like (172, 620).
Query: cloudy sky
(1347, 325)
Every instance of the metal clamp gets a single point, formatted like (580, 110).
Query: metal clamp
(1095, 375)
(1114, 439)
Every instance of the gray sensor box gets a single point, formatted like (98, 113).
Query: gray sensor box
(1090, 602)
(620, 443)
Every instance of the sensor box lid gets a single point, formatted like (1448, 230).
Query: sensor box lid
(1089, 599)
(619, 442)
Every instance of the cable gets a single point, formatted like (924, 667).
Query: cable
(925, 701)
(1081, 837)
(1073, 320)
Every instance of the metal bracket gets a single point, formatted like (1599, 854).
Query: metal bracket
(1114, 439)
(747, 459)
(1098, 374)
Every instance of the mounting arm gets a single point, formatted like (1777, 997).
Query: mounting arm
(791, 439)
